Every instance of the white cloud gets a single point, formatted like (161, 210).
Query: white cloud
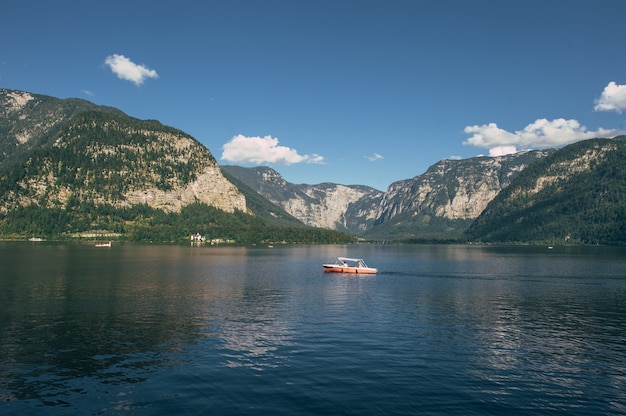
(541, 133)
(126, 69)
(262, 150)
(502, 150)
(613, 98)
(315, 159)
(374, 158)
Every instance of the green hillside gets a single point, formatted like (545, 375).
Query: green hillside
(36, 124)
(86, 176)
(575, 196)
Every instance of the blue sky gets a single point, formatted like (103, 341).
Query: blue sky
(352, 92)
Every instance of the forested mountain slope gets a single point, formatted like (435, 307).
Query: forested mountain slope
(577, 196)
(69, 167)
(73, 169)
(30, 121)
(443, 201)
(101, 157)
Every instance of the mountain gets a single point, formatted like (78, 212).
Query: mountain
(71, 169)
(29, 121)
(262, 208)
(103, 156)
(443, 201)
(576, 195)
(349, 208)
(439, 204)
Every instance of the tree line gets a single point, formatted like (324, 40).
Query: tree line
(142, 223)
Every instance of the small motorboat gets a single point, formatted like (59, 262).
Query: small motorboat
(349, 265)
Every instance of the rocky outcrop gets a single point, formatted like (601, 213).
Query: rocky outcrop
(454, 189)
(448, 196)
(339, 207)
(80, 153)
(443, 200)
(210, 187)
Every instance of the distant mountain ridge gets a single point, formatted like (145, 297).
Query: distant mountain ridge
(350, 208)
(460, 200)
(442, 202)
(72, 155)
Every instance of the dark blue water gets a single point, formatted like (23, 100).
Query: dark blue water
(442, 330)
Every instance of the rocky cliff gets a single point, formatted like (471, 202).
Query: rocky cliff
(443, 201)
(78, 154)
(448, 196)
(339, 207)
(455, 189)
(63, 153)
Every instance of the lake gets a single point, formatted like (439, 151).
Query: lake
(440, 330)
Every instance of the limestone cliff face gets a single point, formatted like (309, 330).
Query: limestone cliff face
(454, 189)
(183, 172)
(327, 205)
(210, 188)
(90, 155)
(445, 199)
(335, 206)
(56, 152)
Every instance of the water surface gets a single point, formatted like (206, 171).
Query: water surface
(442, 329)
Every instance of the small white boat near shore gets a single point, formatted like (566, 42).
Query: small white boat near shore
(103, 244)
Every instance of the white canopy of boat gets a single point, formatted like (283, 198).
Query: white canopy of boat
(361, 262)
(348, 259)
